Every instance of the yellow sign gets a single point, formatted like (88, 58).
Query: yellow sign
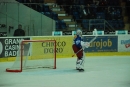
(63, 46)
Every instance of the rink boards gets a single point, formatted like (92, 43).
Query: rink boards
(106, 45)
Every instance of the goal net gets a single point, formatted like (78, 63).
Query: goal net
(33, 54)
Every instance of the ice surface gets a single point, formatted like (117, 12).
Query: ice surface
(112, 71)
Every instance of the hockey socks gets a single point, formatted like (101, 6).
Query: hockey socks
(79, 65)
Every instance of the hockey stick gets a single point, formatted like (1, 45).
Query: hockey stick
(95, 33)
(77, 52)
(93, 39)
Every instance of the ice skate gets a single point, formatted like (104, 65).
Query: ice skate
(77, 68)
(81, 70)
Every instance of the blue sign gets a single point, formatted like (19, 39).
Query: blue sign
(100, 32)
(57, 33)
(121, 32)
(102, 44)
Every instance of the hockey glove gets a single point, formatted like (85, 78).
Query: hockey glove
(85, 44)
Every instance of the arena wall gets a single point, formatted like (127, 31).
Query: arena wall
(106, 45)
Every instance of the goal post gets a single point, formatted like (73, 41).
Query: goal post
(33, 54)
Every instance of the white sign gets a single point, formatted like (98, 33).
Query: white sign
(124, 43)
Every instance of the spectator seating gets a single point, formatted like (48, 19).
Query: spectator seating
(76, 15)
(60, 24)
(117, 24)
(106, 9)
(100, 15)
(85, 24)
(54, 16)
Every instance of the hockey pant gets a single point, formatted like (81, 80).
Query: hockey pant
(80, 57)
(76, 49)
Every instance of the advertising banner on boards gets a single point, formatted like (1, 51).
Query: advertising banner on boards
(102, 44)
(124, 43)
(9, 46)
(63, 45)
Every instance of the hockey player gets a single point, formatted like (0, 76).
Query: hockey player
(78, 47)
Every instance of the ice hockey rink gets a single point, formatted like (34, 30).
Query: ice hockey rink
(102, 71)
